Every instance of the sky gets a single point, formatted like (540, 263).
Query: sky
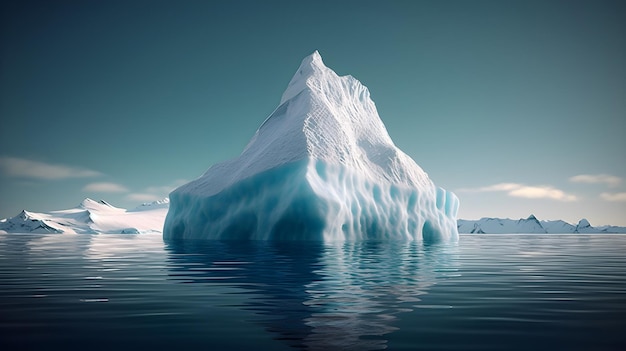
(519, 107)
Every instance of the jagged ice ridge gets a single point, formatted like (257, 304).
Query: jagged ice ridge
(321, 167)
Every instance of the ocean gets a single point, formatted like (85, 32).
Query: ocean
(486, 292)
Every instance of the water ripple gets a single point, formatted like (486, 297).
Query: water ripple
(516, 292)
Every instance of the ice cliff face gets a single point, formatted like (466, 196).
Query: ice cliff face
(321, 167)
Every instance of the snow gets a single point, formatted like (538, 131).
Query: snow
(321, 167)
(531, 225)
(498, 225)
(94, 217)
(611, 229)
(558, 226)
(584, 226)
(91, 217)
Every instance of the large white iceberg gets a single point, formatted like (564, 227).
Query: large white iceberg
(321, 167)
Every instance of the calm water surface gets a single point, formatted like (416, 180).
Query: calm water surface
(488, 292)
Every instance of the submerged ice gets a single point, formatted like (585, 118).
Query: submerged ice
(321, 167)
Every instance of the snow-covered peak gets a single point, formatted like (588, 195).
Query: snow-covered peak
(316, 58)
(326, 141)
(585, 227)
(312, 62)
(25, 215)
(90, 204)
(163, 203)
(333, 119)
(584, 223)
(310, 66)
(322, 117)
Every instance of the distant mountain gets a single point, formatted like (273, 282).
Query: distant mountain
(94, 217)
(91, 217)
(530, 225)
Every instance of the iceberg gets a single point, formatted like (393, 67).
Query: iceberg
(321, 167)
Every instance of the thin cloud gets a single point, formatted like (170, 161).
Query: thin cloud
(105, 187)
(526, 191)
(607, 179)
(615, 197)
(542, 192)
(500, 187)
(155, 193)
(23, 168)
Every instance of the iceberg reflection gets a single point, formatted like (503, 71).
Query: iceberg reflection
(316, 295)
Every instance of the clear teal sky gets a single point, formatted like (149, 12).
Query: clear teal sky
(502, 102)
